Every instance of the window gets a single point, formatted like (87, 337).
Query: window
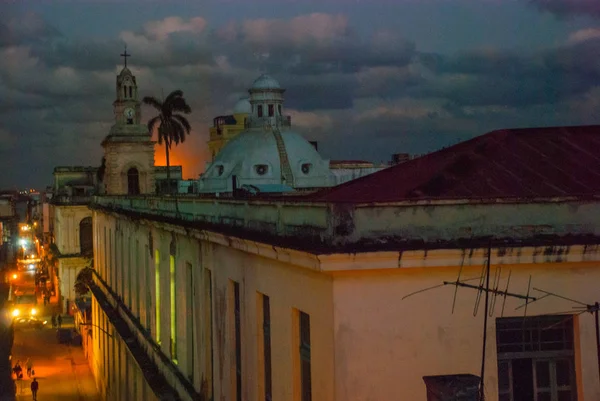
(261, 169)
(133, 181)
(86, 236)
(173, 304)
(190, 321)
(238, 341)
(305, 382)
(148, 275)
(260, 110)
(279, 109)
(271, 110)
(124, 91)
(306, 168)
(536, 358)
(131, 92)
(208, 326)
(266, 310)
(157, 290)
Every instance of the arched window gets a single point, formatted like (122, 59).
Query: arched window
(131, 92)
(279, 109)
(124, 91)
(85, 236)
(271, 110)
(260, 111)
(133, 181)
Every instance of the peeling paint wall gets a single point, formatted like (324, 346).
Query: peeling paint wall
(212, 345)
(385, 345)
(380, 224)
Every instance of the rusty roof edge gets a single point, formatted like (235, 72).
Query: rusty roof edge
(471, 201)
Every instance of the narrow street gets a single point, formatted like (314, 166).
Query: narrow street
(62, 371)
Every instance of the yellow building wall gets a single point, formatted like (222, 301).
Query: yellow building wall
(228, 132)
(290, 289)
(385, 345)
(202, 340)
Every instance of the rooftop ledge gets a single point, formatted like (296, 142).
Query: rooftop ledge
(326, 228)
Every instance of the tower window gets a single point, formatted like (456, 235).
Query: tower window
(260, 111)
(279, 109)
(271, 110)
(131, 91)
(124, 91)
(133, 181)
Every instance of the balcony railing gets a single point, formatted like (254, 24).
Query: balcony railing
(163, 375)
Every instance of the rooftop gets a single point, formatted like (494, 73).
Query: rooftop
(512, 163)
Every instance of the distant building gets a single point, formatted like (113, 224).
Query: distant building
(161, 182)
(227, 127)
(267, 152)
(348, 170)
(68, 207)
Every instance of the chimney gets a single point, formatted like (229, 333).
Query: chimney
(315, 144)
(398, 158)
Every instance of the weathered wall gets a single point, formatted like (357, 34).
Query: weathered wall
(120, 157)
(66, 227)
(204, 271)
(378, 226)
(68, 269)
(385, 345)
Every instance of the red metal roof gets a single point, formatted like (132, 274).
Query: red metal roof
(510, 163)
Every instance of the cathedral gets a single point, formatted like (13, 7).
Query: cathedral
(366, 290)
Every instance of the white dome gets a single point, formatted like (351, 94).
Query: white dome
(265, 82)
(242, 106)
(253, 157)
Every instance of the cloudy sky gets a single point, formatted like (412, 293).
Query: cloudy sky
(364, 78)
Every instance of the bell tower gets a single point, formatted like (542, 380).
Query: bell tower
(128, 148)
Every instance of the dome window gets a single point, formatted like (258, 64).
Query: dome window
(261, 169)
(279, 109)
(271, 110)
(220, 169)
(260, 111)
(306, 168)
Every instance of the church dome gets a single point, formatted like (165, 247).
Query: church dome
(265, 82)
(242, 106)
(254, 158)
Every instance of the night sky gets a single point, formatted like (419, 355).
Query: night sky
(364, 78)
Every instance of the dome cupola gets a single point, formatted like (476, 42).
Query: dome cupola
(266, 99)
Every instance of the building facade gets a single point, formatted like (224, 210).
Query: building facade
(225, 128)
(128, 148)
(328, 296)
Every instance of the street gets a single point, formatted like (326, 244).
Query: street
(62, 371)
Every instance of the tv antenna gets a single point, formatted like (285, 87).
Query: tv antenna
(484, 288)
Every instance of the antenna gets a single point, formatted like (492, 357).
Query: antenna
(484, 287)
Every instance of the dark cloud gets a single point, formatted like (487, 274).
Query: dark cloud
(569, 7)
(25, 28)
(361, 96)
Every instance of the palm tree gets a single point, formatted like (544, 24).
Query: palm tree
(172, 127)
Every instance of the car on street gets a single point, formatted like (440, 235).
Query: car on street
(29, 322)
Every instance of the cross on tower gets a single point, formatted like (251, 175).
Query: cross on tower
(125, 55)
